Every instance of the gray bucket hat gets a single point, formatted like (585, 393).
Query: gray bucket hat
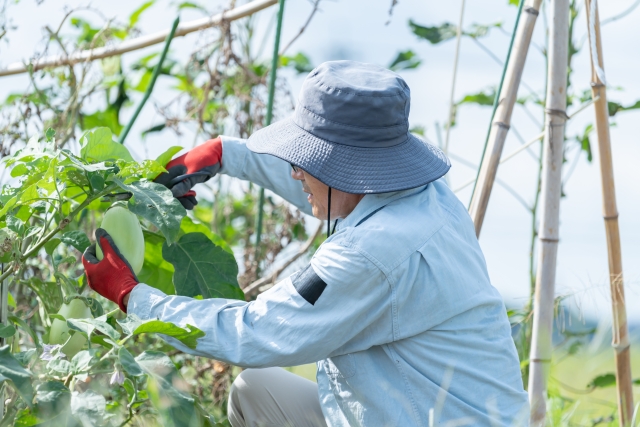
(350, 130)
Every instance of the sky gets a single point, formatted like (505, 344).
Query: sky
(363, 30)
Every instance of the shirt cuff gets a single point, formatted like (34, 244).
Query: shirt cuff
(234, 154)
(141, 299)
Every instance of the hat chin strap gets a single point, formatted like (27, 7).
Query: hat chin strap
(330, 231)
(329, 215)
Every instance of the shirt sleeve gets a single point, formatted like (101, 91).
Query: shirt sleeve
(340, 303)
(265, 170)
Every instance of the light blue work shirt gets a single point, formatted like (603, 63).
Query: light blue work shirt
(396, 308)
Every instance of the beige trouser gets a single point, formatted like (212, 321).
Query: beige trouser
(273, 397)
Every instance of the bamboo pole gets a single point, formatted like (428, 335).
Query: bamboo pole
(502, 118)
(541, 346)
(525, 145)
(620, 342)
(275, 59)
(139, 42)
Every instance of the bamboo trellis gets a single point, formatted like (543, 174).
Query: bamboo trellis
(541, 349)
(620, 340)
(502, 119)
(543, 307)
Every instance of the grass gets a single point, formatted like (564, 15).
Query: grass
(570, 377)
(572, 402)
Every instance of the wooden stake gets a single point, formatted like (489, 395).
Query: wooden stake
(502, 118)
(541, 346)
(620, 341)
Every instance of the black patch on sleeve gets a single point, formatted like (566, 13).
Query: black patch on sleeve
(308, 285)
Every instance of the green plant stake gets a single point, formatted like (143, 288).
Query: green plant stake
(497, 96)
(154, 77)
(269, 115)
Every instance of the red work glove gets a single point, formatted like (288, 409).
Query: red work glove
(201, 163)
(113, 277)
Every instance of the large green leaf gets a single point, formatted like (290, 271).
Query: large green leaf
(8, 205)
(480, 98)
(24, 357)
(61, 366)
(128, 363)
(202, 268)
(135, 171)
(192, 5)
(615, 107)
(166, 157)
(187, 336)
(603, 381)
(585, 141)
(89, 407)
(176, 407)
(7, 331)
(11, 370)
(133, 325)
(79, 365)
(155, 203)
(48, 292)
(405, 61)
(83, 361)
(25, 327)
(87, 326)
(77, 239)
(98, 146)
(51, 245)
(434, 35)
(156, 272)
(75, 163)
(52, 399)
(106, 118)
(190, 226)
(135, 16)
(299, 62)
(476, 30)
(24, 418)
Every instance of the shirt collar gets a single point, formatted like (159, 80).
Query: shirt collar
(372, 202)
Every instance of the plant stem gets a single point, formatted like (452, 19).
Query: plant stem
(496, 98)
(534, 234)
(106, 355)
(112, 312)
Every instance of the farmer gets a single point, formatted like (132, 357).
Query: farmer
(395, 307)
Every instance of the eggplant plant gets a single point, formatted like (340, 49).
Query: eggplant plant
(75, 359)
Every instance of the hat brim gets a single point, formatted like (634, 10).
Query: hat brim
(355, 170)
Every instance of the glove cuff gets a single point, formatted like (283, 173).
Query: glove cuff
(123, 292)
